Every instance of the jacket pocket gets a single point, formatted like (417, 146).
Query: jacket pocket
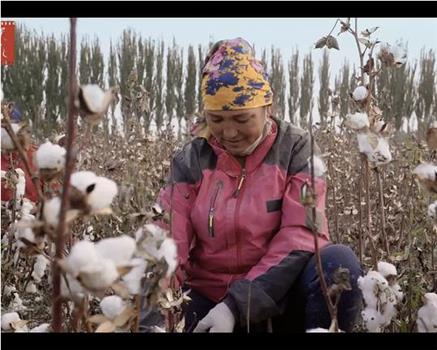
(274, 205)
(212, 205)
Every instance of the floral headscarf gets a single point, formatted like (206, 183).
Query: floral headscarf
(233, 79)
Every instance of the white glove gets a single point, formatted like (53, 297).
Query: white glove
(218, 319)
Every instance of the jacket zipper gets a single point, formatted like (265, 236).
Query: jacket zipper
(237, 209)
(240, 183)
(212, 209)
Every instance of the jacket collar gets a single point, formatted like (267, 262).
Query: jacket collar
(230, 165)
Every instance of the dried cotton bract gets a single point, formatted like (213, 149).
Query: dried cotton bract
(50, 156)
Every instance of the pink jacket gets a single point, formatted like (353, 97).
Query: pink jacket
(237, 228)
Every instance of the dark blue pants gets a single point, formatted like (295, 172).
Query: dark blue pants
(304, 306)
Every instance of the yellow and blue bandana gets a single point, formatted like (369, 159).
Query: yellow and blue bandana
(233, 79)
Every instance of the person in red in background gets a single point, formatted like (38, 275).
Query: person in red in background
(10, 159)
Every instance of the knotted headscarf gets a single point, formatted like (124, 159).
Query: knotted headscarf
(233, 79)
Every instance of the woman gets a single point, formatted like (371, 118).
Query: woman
(244, 241)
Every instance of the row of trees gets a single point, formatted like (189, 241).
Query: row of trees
(158, 84)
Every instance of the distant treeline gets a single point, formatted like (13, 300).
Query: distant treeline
(157, 83)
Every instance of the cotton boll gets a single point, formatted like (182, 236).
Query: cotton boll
(357, 121)
(369, 285)
(389, 311)
(82, 180)
(432, 211)
(317, 330)
(82, 255)
(397, 291)
(99, 276)
(42, 328)
(39, 267)
(24, 233)
(96, 100)
(17, 303)
(9, 318)
(7, 143)
(169, 253)
(9, 289)
(31, 288)
(132, 280)
(399, 55)
(26, 208)
(426, 171)
(382, 154)
(21, 184)
(119, 249)
(386, 269)
(103, 193)
(431, 298)
(364, 145)
(50, 156)
(112, 306)
(52, 208)
(372, 320)
(427, 314)
(360, 93)
(155, 231)
(319, 166)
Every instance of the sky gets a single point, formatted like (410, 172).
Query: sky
(285, 34)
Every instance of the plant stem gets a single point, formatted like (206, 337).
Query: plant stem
(369, 214)
(355, 35)
(69, 167)
(338, 19)
(360, 213)
(381, 200)
(334, 195)
(401, 234)
(332, 310)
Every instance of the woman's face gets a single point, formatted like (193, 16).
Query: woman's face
(237, 130)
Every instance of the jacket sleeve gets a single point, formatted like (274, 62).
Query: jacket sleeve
(178, 196)
(268, 282)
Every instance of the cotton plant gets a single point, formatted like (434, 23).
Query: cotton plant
(427, 314)
(381, 294)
